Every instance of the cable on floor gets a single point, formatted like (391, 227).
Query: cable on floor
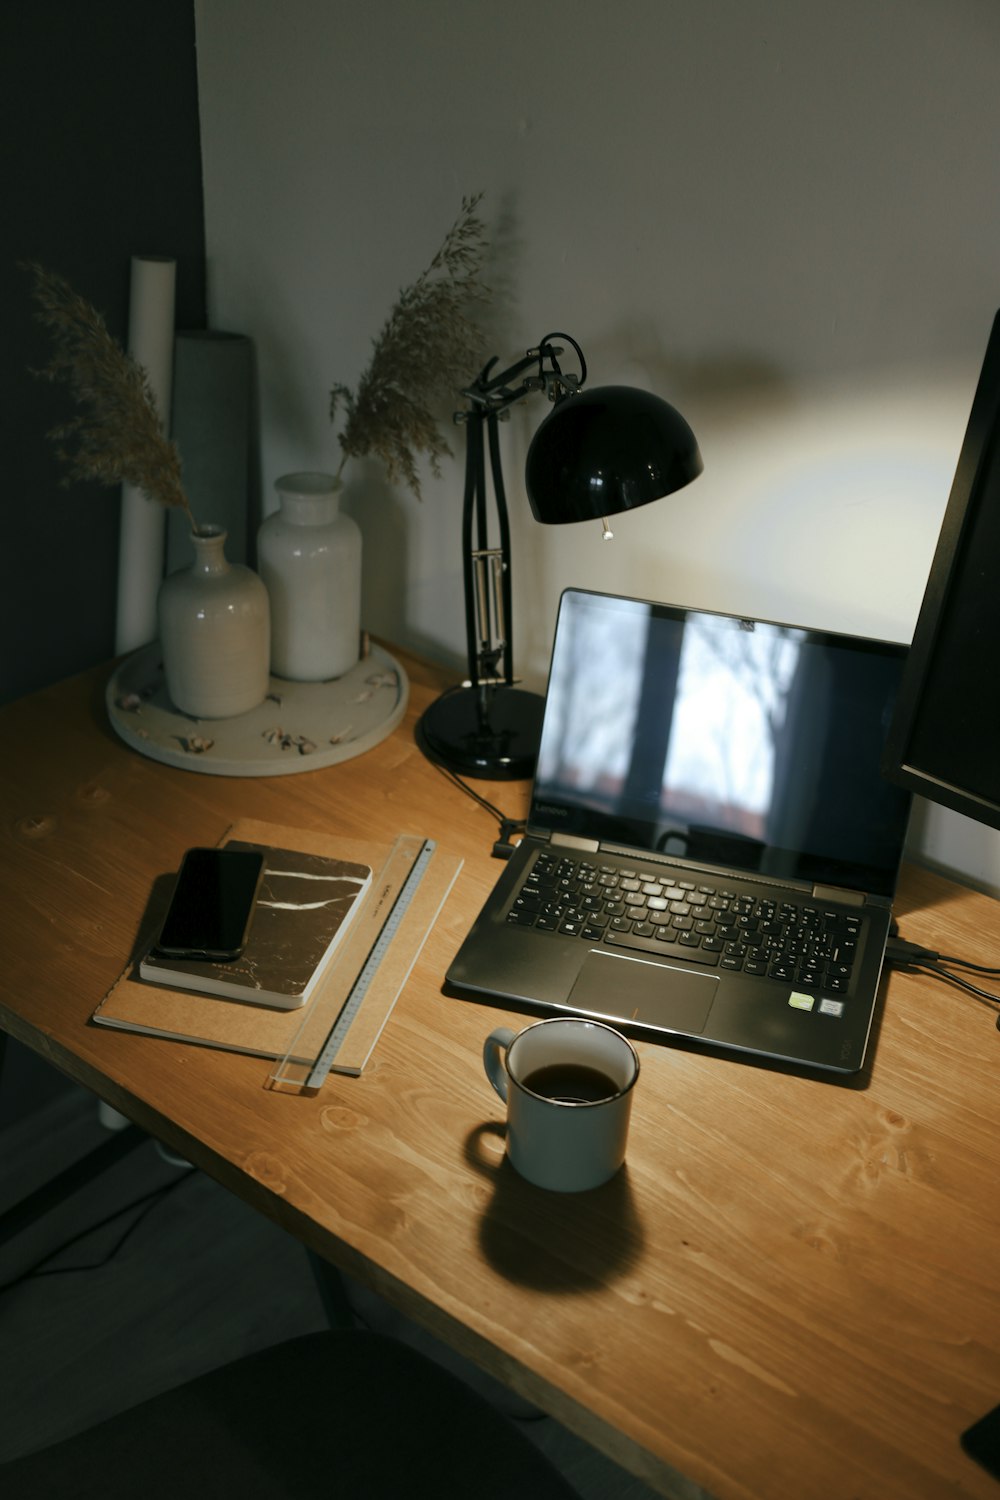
(147, 1202)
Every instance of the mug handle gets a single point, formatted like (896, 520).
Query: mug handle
(497, 1043)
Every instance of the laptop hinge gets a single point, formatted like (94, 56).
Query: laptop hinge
(570, 841)
(839, 894)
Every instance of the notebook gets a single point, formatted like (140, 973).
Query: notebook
(711, 850)
(306, 904)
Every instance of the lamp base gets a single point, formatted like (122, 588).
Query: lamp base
(489, 732)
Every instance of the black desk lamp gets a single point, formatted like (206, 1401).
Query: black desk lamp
(597, 453)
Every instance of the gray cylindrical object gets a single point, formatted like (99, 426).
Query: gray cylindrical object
(212, 426)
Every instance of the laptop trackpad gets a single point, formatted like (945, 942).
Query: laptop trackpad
(650, 994)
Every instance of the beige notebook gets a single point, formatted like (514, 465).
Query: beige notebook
(133, 1004)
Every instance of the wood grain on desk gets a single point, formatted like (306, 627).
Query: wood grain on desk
(790, 1293)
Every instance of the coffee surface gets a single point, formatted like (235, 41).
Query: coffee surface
(571, 1083)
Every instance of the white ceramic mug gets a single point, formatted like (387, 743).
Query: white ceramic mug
(567, 1083)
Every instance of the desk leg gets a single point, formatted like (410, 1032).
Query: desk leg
(20, 1215)
(330, 1286)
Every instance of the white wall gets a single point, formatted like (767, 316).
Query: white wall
(780, 215)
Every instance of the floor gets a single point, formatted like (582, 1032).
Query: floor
(199, 1279)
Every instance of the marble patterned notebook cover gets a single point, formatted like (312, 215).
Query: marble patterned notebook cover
(305, 905)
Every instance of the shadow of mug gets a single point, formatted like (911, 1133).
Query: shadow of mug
(549, 1241)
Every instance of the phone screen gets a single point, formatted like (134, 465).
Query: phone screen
(212, 905)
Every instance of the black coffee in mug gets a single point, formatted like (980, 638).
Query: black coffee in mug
(567, 1085)
(571, 1083)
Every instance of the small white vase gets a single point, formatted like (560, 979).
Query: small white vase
(309, 556)
(214, 620)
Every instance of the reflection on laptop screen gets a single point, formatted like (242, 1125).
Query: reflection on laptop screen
(728, 741)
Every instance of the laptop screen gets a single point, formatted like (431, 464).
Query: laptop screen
(730, 742)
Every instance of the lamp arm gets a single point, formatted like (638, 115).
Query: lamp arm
(474, 480)
(488, 591)
(503, 593)
(494, 393)
(571, 382)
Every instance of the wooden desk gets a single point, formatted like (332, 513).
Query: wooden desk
(790, 1293)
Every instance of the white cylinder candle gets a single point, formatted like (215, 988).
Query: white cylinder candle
(143, 523)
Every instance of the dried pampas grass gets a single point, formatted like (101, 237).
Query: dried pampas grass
(118, 436)
(428, 346)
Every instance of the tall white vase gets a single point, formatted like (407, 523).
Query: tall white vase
(214, 620)
(309, 556)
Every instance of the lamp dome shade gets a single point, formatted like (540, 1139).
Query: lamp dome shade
(603, 451)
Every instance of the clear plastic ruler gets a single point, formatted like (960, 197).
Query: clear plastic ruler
(353, 1002)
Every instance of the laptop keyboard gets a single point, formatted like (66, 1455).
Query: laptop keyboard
(806, 944)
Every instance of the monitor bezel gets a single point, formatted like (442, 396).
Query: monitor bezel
(948, 569)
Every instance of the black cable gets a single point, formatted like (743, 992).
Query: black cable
(963, 963)
(469, 792)
(147, 1202)
(502, 848)
(959, 983)
(903, 955)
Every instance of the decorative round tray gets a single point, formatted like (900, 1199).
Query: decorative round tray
(300, 726)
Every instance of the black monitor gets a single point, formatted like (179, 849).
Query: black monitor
(944, 740)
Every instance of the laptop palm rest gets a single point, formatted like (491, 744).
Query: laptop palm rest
(647, 993)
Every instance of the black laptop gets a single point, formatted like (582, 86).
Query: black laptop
(711, 851)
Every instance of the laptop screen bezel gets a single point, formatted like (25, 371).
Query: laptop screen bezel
(557, 814)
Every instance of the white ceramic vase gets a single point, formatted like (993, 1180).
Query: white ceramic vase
(309, 556)
(214, 620)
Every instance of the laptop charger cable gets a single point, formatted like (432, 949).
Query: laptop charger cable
(900, 954)
(504, 845)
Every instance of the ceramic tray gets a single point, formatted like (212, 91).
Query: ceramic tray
(300, 726)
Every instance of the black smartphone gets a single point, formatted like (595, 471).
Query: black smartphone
(981, 1441)
(212, 905)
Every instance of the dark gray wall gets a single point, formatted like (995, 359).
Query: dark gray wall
(101, 160)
